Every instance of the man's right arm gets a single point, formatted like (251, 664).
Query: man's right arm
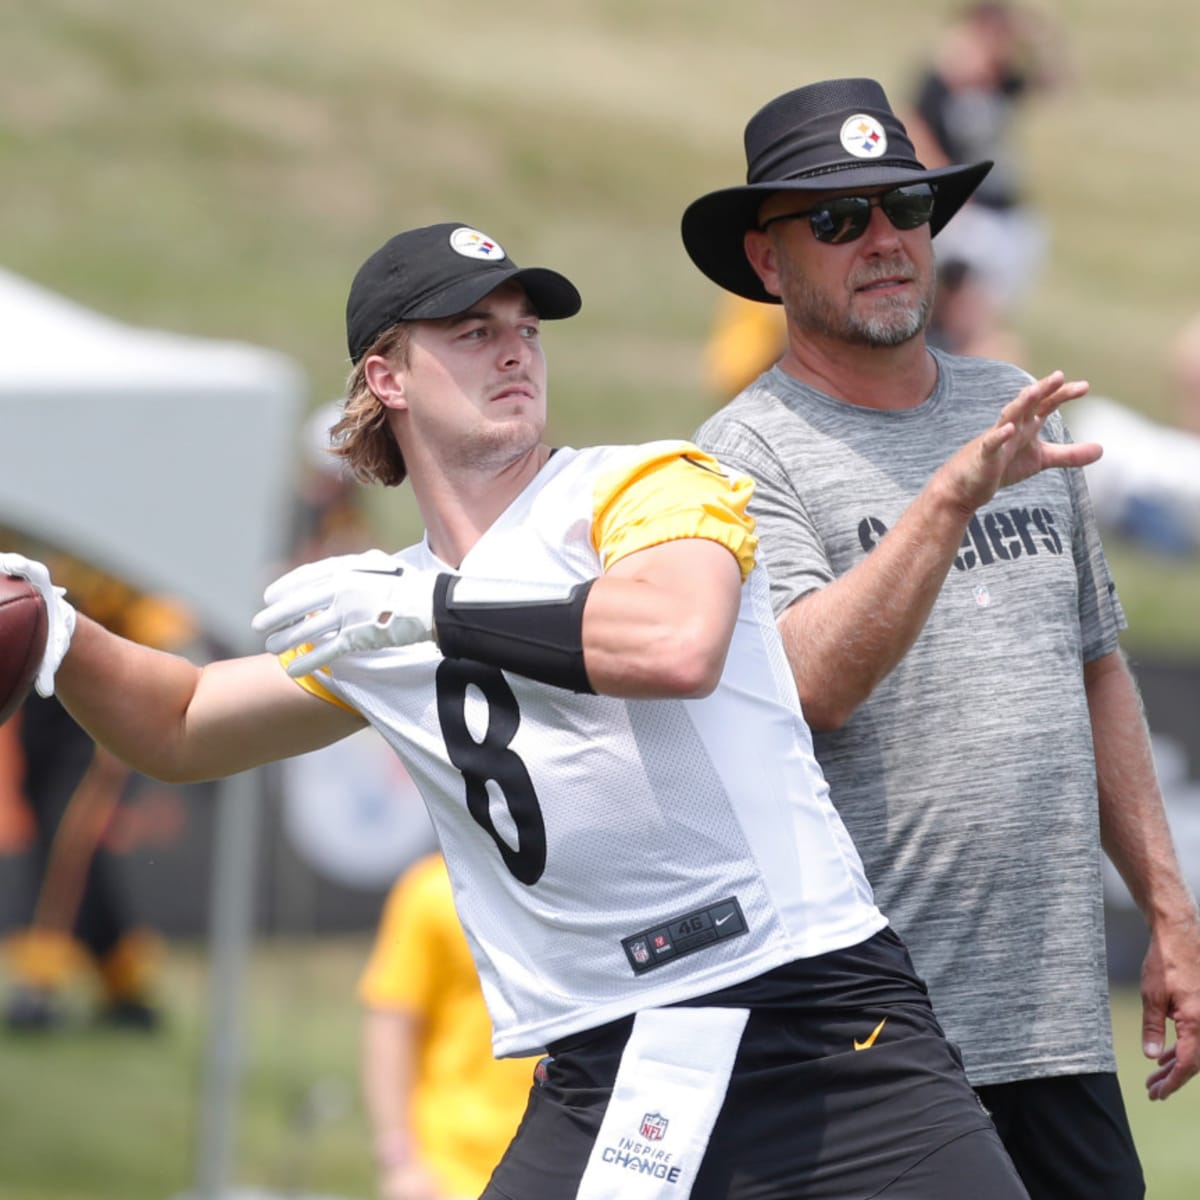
(175, 721)
(843, 639)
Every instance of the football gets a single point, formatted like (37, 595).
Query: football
(23, 628)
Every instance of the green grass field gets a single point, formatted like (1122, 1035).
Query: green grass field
(101, 1116)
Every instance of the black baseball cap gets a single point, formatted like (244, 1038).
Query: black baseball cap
(439, 271)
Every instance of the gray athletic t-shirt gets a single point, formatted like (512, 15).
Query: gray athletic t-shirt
(967, 779)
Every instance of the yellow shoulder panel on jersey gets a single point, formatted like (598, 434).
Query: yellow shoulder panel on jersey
(675, 490)
(311, 683)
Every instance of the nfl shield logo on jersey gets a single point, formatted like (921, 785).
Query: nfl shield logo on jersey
(654, 1126)
(639, 952)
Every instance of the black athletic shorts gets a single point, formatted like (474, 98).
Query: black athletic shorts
(843, 1088)
(1068, 1136)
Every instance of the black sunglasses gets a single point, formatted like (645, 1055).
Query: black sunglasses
(845, 218)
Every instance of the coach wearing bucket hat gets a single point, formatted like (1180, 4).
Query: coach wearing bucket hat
(826, 136)
(952, 626)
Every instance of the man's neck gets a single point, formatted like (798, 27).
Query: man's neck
(459, 507)
(883, 377)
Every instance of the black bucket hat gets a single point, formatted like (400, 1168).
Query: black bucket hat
(440, 271)
(839, 133)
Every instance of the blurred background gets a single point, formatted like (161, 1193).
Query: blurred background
(218, 171)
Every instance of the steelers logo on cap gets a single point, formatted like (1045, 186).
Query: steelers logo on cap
(470, 243)
(863, 137)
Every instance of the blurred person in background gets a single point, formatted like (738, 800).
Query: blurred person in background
(441, 1109)
(74, 909)
(991, 58)
(953, 632)
(1146, 488)
(965, 318)
(745, 339)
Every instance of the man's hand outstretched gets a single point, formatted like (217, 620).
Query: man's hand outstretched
(1013, 449)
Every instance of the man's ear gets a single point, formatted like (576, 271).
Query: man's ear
(761, 253)
(386, 380)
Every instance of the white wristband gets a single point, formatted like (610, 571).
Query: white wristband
(60, 616)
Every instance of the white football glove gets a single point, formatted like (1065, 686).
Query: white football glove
(343, 604)
(60, 616)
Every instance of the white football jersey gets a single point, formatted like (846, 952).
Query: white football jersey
(610, 855)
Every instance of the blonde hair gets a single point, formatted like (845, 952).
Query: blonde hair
(362, 438)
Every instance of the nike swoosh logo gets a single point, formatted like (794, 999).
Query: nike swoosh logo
(871, 1039)
(376, 571)
(722, 920)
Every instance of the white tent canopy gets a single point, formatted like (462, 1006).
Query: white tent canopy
(166, 460)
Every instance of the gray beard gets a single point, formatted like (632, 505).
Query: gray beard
(900, 324)
(814, 312)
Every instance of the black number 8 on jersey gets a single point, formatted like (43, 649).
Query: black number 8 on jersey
(491, 758)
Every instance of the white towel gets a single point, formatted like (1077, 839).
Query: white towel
(670, 1086)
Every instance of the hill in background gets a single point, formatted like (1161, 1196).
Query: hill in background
(221, 169)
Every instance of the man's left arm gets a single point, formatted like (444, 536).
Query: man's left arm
(1137, 838)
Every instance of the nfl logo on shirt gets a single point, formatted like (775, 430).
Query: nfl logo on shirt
(654, 1125)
